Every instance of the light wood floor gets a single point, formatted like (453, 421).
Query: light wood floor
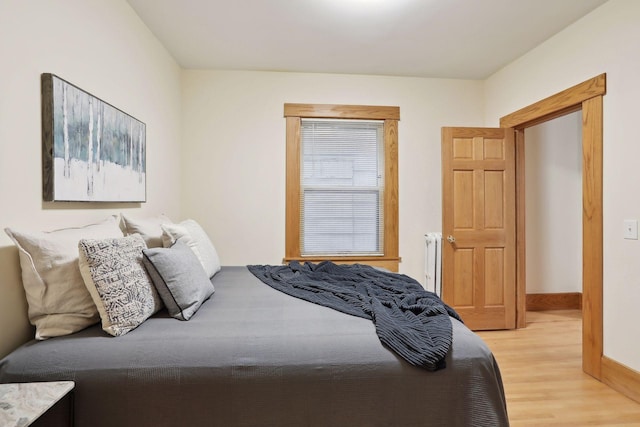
(543, 378)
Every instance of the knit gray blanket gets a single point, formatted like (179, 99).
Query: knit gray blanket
(409, 320)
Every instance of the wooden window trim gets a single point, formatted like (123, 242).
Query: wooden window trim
(391, 115)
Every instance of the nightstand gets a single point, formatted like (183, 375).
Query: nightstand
(25, 404)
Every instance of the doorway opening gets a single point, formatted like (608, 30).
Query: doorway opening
(553, 156)
(585, 97)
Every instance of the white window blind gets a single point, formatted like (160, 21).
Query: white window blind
(342, 187)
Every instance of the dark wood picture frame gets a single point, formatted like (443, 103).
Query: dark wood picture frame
(91, 150)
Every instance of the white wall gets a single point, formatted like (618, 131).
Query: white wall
(606, 40)
(102, 47)
(553, 169)
(234, 152)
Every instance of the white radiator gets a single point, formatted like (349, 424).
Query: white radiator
(433, 262)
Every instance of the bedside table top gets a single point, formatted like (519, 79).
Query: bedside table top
(22, 403)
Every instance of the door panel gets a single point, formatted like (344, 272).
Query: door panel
(463, 280)
(494, 199)
(463, 200)
(478, 177)
(493, 273)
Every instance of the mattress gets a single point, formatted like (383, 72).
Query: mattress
(253, 356)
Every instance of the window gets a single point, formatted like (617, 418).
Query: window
(342, 184)
(342, 187)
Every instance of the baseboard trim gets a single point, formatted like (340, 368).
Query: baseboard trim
(621, 378)
(557, 301)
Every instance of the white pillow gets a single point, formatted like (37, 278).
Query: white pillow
(190, 233)
(59, 303)
(148, 228)
(118, 282)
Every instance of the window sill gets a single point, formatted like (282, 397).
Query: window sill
(391, 264)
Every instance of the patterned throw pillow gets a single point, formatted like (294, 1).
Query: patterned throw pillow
(118, 283)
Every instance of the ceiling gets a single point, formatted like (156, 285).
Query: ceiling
(468, 39)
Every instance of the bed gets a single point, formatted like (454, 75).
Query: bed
(254, 356)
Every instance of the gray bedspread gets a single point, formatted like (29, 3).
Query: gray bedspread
(253, 356)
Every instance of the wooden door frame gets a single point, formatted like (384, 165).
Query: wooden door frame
(586, 96)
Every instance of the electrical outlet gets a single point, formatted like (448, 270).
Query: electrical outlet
(631, 229)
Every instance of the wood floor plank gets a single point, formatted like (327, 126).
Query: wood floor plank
(541, 367)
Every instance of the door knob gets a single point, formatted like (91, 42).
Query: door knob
(451, 239)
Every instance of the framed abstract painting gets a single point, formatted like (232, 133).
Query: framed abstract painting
(91, 151)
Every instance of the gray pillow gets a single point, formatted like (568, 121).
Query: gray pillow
(179, 278)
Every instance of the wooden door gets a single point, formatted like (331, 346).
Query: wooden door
(478, 225)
